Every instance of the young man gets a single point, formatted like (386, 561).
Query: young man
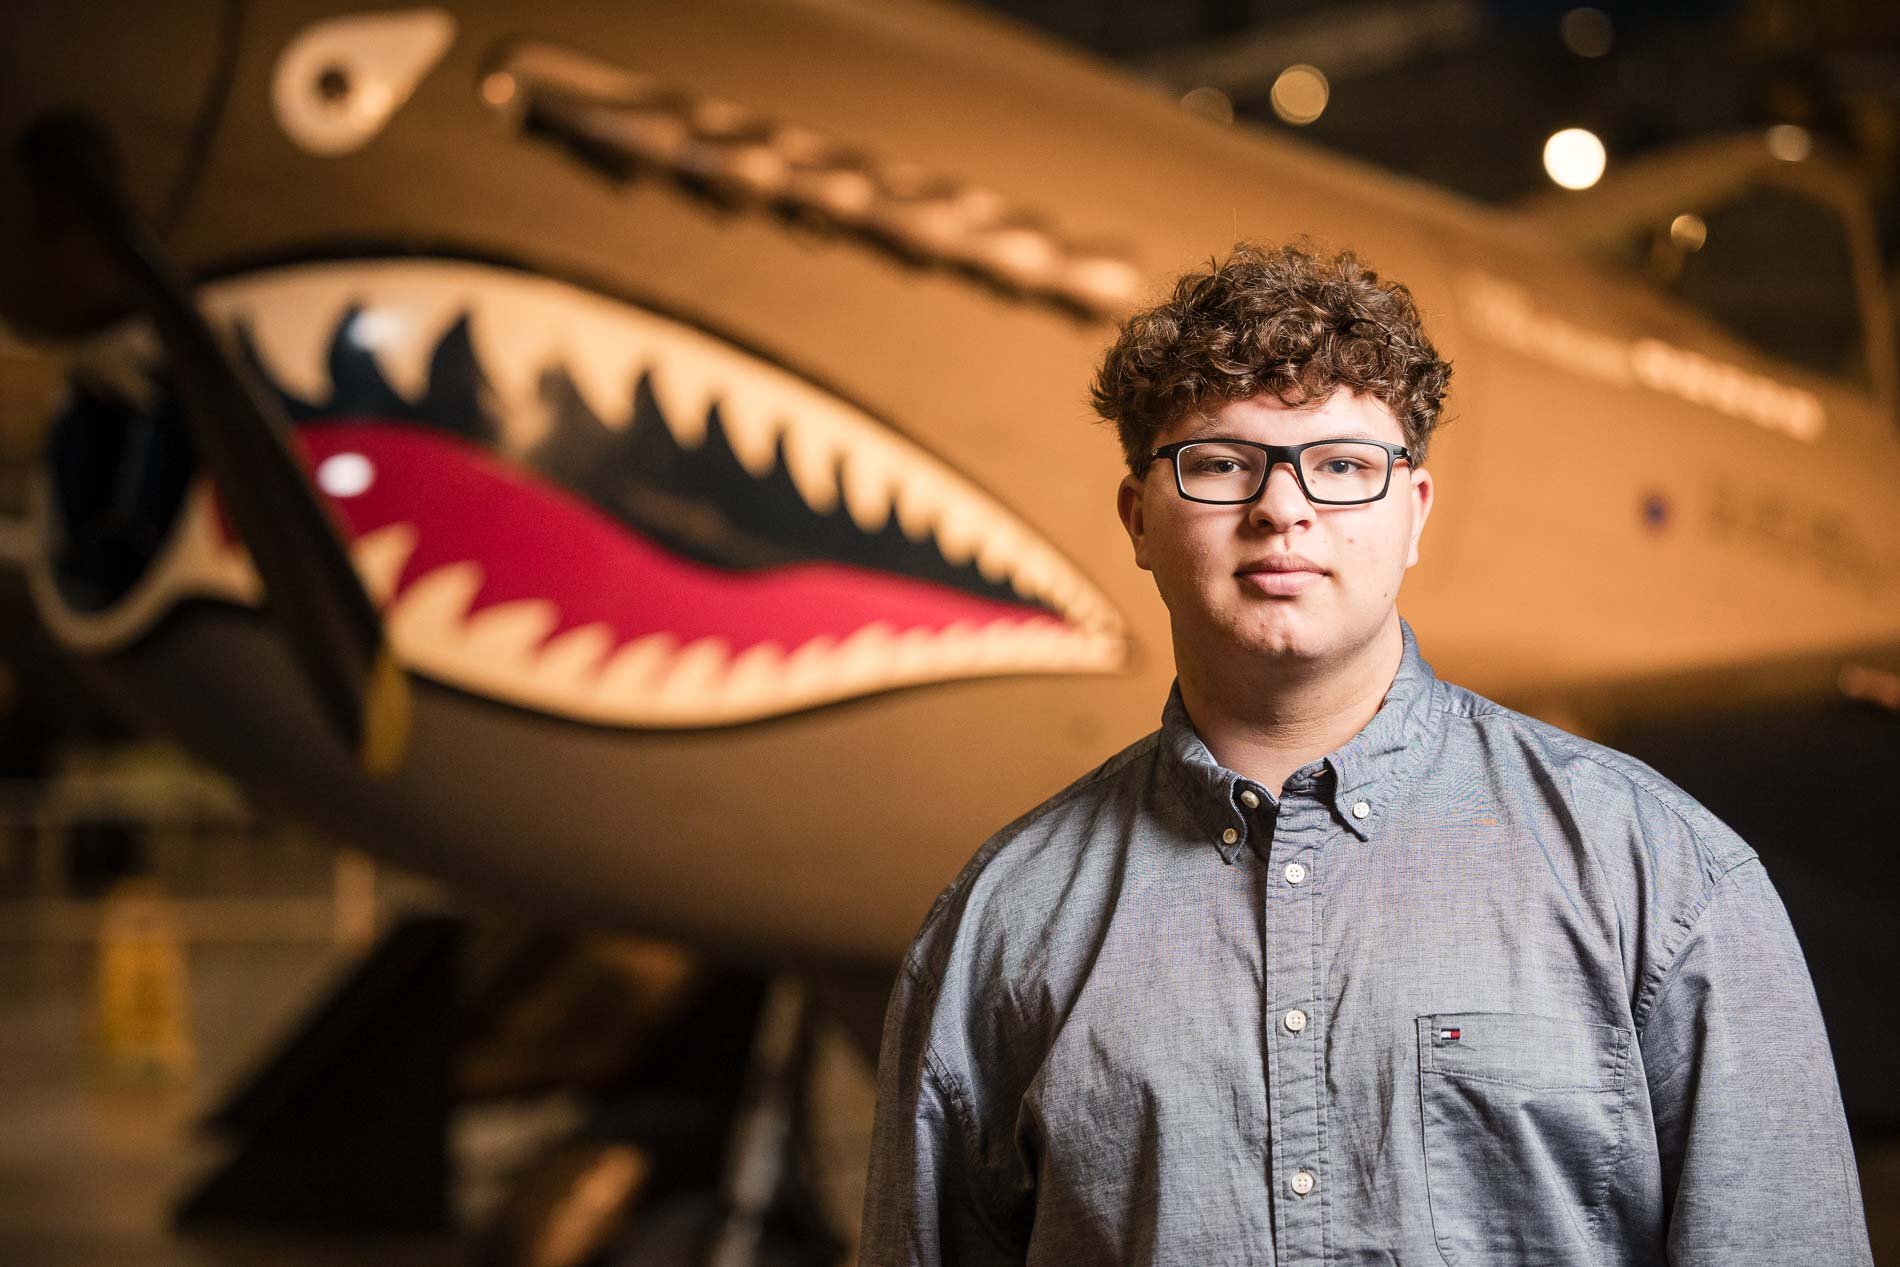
(1343, 964)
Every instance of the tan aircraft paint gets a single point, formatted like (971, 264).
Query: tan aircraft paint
(826, 832)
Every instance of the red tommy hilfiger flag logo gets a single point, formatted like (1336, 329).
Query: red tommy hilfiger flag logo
(1448, 1035)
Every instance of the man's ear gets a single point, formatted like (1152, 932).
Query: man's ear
(1128, 504)
(1422, 493)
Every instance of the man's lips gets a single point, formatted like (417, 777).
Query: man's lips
(1281, 575)
(1280, 563)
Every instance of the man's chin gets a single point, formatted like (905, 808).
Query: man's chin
(1286, 638)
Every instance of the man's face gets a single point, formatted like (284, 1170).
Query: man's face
(1208, 560)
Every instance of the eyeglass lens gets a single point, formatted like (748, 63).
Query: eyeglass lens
(1344, 470)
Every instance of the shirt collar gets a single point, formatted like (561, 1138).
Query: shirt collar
(1351, 778)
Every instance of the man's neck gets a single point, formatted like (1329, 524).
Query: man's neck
(1274, 718)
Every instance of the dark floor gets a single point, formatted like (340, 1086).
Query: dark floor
(91, 1157)
(97, 1138)
(92, 1153)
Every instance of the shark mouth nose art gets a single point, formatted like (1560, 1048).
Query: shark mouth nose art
(567, 503)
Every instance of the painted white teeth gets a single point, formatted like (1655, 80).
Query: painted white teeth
(517, 339)
(434, 606)
(693, 676)
(959, 531)
(1032, 578)
(524, 328)
(218, 566)
(506, 636)
(807, 669)
(1004, 640)
(505, 649)
(996, 559)
(751, 426)
(960, 644)
(403, 333)
(918, 501)
(865, 657)
(755, 678)
(1059, 591)
(867, 490)
(629, 675)
(813, 463)
(683, 398)
(605, 369)
(292, 332)
(915, 654)
(380, 557)
(572, 659)
(607, 385)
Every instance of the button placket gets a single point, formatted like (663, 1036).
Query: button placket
(1303, 824)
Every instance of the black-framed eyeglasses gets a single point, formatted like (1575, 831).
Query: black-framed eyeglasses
(1224, 472)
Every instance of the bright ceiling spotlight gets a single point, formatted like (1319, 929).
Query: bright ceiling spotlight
(1574, 158)
(1300, 94)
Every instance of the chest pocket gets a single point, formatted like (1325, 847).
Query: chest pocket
(1523, 1120)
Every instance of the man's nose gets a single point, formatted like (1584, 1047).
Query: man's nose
(1281, 503)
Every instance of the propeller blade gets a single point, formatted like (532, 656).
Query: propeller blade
(244, 438)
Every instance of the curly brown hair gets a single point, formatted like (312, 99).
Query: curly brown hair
(1287, 320)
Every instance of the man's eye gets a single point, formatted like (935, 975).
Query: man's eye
(1216, 466)
(1341, 466)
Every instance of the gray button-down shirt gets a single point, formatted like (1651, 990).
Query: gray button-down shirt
(1473, 990)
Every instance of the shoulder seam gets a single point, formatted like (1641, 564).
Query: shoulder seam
(1710, 859)
(1684, 926)
(1714, 867)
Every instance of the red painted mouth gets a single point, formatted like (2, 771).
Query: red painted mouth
(533, 540)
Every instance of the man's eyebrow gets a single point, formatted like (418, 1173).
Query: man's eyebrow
(1210, 425)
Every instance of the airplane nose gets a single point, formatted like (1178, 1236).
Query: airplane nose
(151, 76)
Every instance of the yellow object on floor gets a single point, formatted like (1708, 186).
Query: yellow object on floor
(141, 1020)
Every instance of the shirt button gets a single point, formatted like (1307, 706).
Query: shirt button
(1295, 1021)
(1360, 809)
(1301, 1183)
(1248, 799)
(1229, 836)
(1295, 873)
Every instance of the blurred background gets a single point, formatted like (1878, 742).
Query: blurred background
(259, 1011)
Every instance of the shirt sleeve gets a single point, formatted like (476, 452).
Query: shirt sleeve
(1757, 1166)
(926, 1201)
